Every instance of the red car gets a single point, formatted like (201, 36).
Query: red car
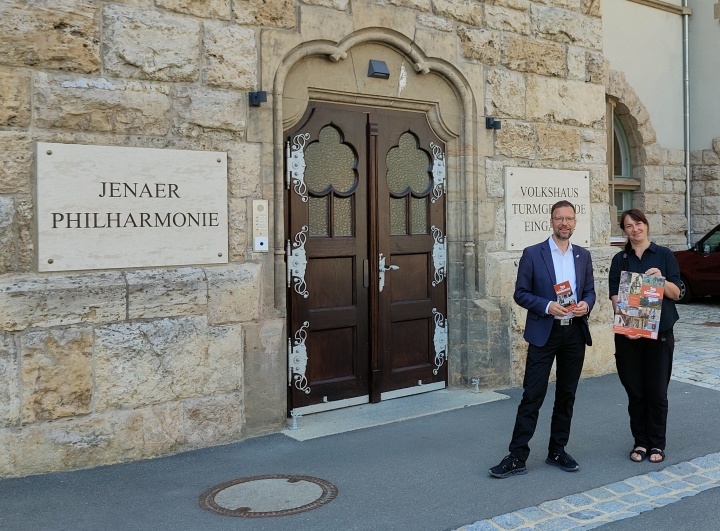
(700, 267)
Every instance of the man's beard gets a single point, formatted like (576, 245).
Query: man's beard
(560, 236)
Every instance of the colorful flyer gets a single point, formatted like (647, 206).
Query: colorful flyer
(565, 295)
(639, 304)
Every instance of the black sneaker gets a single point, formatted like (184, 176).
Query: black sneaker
(563, 461)
(509, 466)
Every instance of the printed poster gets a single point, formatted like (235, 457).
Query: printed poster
(639, 304)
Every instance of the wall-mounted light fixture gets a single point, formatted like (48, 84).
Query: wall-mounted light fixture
(256, 98)
(717, 10)
(492, 123)
(378, 69)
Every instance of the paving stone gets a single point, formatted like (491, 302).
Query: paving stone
(508, 521)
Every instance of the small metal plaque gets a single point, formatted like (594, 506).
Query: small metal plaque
(102, 207)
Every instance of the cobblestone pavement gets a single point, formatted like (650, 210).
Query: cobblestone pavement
(696, 361)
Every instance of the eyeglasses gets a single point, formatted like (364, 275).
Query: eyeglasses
(566, 220)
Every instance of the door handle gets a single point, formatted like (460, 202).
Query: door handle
(382, 268)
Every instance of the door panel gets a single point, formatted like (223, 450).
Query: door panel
(407, 215)
(364, 187)
(329, 201)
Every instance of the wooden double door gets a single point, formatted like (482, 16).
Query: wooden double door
(366, 257)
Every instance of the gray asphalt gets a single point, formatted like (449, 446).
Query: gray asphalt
(427, 473)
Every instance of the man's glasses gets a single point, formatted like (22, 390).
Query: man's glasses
(566, 220)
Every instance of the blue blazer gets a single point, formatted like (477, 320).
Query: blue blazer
(534, 289)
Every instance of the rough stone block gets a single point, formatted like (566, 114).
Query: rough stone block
(55, 300)
(95, 440)
(509, 20)
(567, 27)
(200, 110)
(244, 166)
(418, 5)
(265, 375)
(57, 373)
(593, 146)
(319, 23)
(480, 45)
(711, 205)
(24, 228)
(271, 13)
(564, 101)
(528, 55)
(15, 103)
(145, 44)
(7, 235)
(516, 139)
(437, 23)
(505, 94)
(600, 229)
(234, 293)
(9, 388)
(101, 106)
(558, 143)
(213, 420)
(226, 347)
(55, 39)
(219, 9)
(16, 154)
(577, 64)
(141, 364)
(238, 229)
(463, 11)
(495, 177)
(156, 293)
(230, 56)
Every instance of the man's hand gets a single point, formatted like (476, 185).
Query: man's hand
(581, 309)
(557, 309)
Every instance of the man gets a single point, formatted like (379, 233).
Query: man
(553, 333)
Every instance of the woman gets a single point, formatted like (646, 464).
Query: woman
(644, 365)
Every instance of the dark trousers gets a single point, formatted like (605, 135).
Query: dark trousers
(566, 345)
(644, 367)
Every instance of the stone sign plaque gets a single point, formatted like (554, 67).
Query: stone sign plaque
(102, 207)
(529, 195)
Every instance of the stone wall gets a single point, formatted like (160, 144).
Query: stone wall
(705, 190)
(107, 366)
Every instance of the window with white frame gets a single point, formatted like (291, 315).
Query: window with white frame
(622, 186)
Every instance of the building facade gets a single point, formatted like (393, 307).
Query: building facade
(369, 147)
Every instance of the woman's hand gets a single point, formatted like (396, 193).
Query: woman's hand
(654, 271)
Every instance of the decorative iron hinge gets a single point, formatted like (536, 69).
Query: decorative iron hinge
(295, 161)
(440, 340)
(297, 262)
(439, 255)
(438, 171)
(297, 360)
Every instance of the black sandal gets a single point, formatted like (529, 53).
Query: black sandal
(657, 451)
(639, 451)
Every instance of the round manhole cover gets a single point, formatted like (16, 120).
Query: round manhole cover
(265, 496)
